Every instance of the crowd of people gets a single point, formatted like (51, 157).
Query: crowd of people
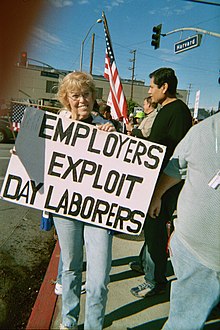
(188, 183)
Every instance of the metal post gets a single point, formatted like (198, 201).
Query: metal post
(92, 53)
(82, 44)
(132, 75)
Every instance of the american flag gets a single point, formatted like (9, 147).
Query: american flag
(116, 99)
(17, 115)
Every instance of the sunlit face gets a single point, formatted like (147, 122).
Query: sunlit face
(81, 103)
(147, 107)
(157, 94)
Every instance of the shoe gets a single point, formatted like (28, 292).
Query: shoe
(63, 327)
(58, 289)
(83, 288)
(136, 266)
(148, 289)
(143, 290)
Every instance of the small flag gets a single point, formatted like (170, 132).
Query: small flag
(116, 99)
(17, 115)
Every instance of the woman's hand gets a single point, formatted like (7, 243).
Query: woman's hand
(13, 151)
(108, 127)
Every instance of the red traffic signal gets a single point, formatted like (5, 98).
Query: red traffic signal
(23, 59)
(156, 36)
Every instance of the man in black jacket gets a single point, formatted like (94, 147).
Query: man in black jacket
(170, 126)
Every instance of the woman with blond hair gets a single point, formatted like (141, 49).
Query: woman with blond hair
(77, 94)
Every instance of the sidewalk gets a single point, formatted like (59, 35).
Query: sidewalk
(123, 311)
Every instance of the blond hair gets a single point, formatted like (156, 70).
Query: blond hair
(75, 81)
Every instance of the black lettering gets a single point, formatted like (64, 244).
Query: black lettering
(122, 215)
(7, 186)
(34, 190)
(76, 202)
(120, 185)
(24, 192)
(111, 142)
(133, 179)
(121, 143)
(44, 126)
(129, 150)
(91, 142)
(140, 151)
(85, 170)
(53, 163)
(111, 214)
(87, 207)
(109, 186)
(47, 203)
(81, 131)
(100, 209)
(59, 132)
(97, 175)
(154, 157)
(72, 168)
(63, 204)
(135, 221)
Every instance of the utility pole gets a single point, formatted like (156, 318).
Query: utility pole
(132, 74)
(92, 53)
(189, 91)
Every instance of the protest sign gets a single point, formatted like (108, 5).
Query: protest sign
(74, 169)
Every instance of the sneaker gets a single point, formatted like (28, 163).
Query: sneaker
(148, 289)
(136, 267)
(143, 290)
(63, 327)
(58, 289)
(83, 288)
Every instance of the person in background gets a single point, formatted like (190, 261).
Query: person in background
(139, 116)
(105, 111)
(169, 127)
(143, 130)
(77, 94)
(195, 244)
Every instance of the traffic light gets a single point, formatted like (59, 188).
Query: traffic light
(156, 36)
(23, 59)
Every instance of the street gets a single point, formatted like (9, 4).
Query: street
(24, 256)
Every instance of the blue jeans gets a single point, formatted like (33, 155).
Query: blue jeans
(59, 271)
(195, 292)
(72, 236)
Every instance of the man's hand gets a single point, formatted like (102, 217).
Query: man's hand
(155, 207)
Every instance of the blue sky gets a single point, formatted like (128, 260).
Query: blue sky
(57, 35)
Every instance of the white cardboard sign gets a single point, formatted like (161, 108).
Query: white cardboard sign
(76, 170)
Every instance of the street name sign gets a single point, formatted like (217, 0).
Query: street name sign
(188, 43)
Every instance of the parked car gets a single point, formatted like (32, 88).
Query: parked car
(6, 134)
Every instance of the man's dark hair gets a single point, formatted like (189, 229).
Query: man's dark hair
(165, 75)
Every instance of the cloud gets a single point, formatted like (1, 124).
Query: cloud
(172, 8)
(114, 3)
(61, 3)
(42, 35)
(83, 2)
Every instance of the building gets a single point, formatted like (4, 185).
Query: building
(39, 84)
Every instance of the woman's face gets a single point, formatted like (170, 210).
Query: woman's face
(81, 103)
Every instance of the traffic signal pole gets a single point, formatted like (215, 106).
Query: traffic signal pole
(213, 34)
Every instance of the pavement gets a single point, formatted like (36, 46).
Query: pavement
(124, 311)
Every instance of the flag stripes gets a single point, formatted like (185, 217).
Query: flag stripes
(116, 99)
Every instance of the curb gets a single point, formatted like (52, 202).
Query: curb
(42, 312)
